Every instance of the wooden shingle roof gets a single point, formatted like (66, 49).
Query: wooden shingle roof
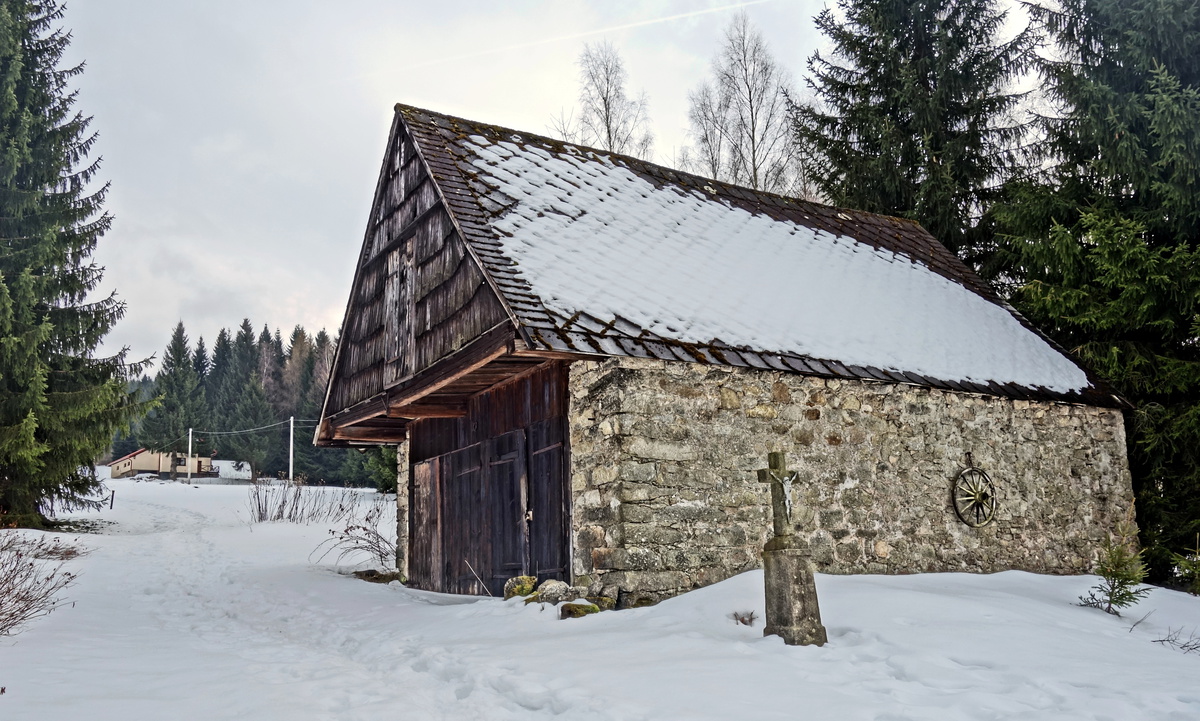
(545, 219)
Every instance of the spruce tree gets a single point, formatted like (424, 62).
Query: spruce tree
(251, 411)
(238, 363)
(200, 361)
(214, 382)
(181, 401)
(269, 369)
(1104, 238)
(60, 405)
(912, 112)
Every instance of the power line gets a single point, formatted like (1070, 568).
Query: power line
(249, 430)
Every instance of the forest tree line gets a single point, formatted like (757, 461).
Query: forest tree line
(251, 382)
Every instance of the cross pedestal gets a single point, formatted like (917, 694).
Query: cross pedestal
(791, 591)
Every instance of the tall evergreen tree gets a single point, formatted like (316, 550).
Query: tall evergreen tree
(1105, 236)
(200, 361)
(240, 363)
(60, 406)
(269, 369)
(218, 373)
(181, 401)
(251, 411)
(913, 112)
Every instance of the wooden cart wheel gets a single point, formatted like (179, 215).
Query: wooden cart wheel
(974, 497)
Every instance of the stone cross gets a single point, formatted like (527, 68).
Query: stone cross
(781, 479)
(788, 574)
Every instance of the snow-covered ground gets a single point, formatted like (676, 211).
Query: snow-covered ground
(185, 611)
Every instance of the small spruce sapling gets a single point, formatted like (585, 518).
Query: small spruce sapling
(1187, 569)
(1121, 569)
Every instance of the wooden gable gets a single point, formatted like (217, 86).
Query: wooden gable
(419, 299)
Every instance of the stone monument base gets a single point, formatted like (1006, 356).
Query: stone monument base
(791, 591)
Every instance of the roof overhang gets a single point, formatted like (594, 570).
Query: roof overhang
(443, 390)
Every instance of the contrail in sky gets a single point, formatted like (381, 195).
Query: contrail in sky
(588, 33)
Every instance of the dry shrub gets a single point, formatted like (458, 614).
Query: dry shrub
(296, 503)
(32, 577)
(1175, 640)
(370, 529)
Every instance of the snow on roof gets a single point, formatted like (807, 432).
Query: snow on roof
(591, 236)
(127, 456)
(623, 249)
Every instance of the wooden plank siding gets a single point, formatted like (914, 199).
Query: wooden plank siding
(490, 488)
(537, 395)
(419, 296)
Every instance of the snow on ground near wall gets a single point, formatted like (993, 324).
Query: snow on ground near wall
(592, 236)
(183, 611)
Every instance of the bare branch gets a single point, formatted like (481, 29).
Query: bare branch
(564, 127)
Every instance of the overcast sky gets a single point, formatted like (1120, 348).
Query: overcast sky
(243, 138)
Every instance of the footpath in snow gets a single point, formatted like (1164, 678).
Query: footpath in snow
(185, 611)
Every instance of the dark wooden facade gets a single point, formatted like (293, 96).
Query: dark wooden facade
(431, 355)
(488, 491)
(419, 296)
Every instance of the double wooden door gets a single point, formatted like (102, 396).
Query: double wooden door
(490, 511)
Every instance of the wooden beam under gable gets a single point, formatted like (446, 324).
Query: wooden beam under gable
(499, 341)
(369, 435)
(456, 409)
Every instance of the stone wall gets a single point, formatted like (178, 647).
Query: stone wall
(665, 495)
(402, 508)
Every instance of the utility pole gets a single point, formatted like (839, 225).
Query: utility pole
(189, 458)
(291, 447)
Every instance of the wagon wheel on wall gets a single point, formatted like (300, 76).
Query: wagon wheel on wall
(974, 497)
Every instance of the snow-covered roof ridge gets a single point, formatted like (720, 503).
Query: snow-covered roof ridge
(605, 254)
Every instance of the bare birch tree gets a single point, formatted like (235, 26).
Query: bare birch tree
(738, 119)
(608, 117)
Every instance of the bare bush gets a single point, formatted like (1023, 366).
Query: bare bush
(32, 577)
(1175, 640)
(294, 503)
(371, 530)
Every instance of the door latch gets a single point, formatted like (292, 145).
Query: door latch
(529, 516)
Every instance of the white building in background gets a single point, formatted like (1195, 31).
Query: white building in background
(144, 461)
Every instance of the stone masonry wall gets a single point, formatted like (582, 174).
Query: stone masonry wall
(402, 508)
(665, 496)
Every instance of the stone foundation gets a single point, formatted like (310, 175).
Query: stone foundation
(665, 496)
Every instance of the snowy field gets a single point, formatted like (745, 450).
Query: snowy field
(185, 611)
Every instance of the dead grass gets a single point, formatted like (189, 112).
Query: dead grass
(296, 503)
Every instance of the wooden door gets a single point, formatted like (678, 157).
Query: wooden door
(548, 533)
(465, 528)
(493, 510)
(424, 526)
(507, 500)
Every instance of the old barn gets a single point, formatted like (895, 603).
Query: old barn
(585, 358)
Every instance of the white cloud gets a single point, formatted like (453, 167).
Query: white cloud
(243, 140)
